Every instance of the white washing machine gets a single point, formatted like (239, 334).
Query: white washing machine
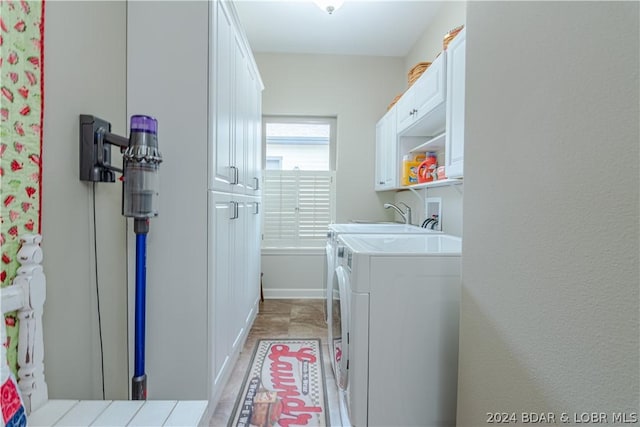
(398, 314)
(337, 230)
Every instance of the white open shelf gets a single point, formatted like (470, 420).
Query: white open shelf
(434, 144)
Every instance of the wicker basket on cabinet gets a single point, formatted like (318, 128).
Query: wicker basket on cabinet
(393, 102)
(450, 36)
(416, 71)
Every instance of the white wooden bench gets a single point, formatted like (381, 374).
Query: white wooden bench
(26, 295)
(119, 413)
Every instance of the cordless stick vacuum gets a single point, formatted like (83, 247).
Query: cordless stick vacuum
(141, 160)
(140, 202)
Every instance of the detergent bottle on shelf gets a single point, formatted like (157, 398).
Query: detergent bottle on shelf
(410, 163)
(427, 169)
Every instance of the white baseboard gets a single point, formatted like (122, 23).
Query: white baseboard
(294, 293)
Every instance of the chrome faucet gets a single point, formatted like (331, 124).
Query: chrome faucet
(405, 215)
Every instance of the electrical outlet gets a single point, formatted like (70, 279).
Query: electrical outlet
(433, 212)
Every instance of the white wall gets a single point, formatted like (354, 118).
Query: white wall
(549, 315)
(357, 90)
(451, 14)
(302, 271)
(85, 73)
(451, 207)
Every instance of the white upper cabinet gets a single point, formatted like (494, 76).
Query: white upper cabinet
(386, 152)
(428, 117)
(421, 108)
(454, 149)
(235, 96)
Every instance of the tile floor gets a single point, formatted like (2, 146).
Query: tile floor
(294, 318)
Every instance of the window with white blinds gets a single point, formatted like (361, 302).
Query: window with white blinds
(298, 206)
(298, 191)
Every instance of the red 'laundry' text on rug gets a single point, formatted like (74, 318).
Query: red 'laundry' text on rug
(284, 386)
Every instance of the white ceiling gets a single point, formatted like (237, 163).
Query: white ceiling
(359, 27)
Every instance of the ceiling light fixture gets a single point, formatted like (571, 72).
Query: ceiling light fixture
(329, 6)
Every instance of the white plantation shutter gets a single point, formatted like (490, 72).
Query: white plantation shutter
(298, 207)
(280, 199)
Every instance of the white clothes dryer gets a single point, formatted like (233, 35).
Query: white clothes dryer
(337, 230)
(399, 315)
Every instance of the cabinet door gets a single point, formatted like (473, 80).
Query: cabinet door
(429, 89)
(239, 263)
(240, 106)
(257, 125)
(386, 152)
(254, 144)
(222, 173)
(254, 238)
(454, 154)
(221, 210)
(424, 99)
(391, 151)
(405, 109)
(380, 160)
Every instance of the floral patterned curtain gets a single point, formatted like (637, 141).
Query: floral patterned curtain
(21, 110)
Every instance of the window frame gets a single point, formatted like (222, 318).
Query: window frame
(296, 242)
(332, 121)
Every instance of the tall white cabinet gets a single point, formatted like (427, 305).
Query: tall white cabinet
(190, 66)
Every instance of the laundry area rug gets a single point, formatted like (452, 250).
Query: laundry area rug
(284, 386)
